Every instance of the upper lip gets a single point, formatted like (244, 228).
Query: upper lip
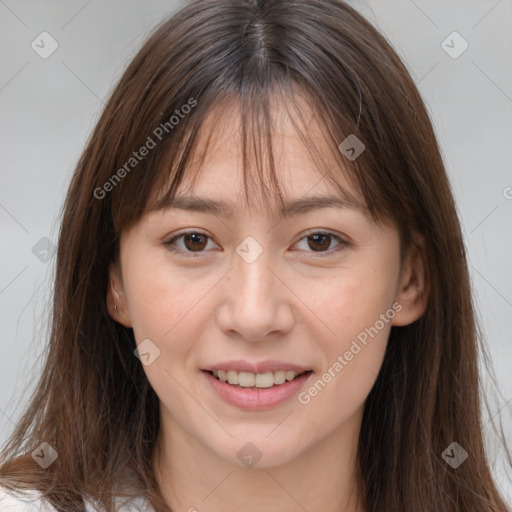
(257, 367)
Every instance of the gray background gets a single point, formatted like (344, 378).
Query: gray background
(49, 107)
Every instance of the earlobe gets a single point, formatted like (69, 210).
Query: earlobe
(413, 288)
(116, 302)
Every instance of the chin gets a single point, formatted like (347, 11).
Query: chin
(258, 451)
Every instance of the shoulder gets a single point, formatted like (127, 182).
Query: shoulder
(26, 501)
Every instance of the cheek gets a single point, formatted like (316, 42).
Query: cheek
(350, 301)
(168, 308)
(163, 302)
(356, 309)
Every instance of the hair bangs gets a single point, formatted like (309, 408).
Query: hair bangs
(252, 112)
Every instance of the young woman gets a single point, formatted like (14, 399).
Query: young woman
(262, 298)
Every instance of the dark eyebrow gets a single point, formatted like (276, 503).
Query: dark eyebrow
(299, 206)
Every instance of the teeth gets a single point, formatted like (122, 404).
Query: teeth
(280, 377)
(245, 379)
(264, 380)
(290, 375)
(259, 380)
(232, 377)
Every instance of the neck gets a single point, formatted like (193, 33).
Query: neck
(193, 478)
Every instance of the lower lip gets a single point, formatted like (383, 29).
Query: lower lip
(257, 399)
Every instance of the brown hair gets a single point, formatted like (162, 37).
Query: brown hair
(93, 403)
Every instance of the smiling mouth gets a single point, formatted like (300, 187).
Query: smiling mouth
(256, 380)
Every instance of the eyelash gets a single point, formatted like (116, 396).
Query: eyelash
(343, 244)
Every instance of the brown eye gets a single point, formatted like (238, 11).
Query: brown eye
(319, 242)
(195, 241)
(189, 242)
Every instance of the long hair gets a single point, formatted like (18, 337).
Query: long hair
(93, 403)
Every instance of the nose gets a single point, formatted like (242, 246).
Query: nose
(256, 304)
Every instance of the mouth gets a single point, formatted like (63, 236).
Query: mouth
(242, 379)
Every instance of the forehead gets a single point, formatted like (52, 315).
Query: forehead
(217, 173)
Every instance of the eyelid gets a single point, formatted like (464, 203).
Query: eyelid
(179, 234)
(343, 242)
(321, 231)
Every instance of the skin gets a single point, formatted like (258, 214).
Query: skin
(291, 304)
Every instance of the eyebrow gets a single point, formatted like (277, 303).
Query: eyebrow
(299, 206)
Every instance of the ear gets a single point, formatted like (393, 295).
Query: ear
(116, 300)
(413, 288)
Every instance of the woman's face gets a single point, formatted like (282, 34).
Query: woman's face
(261, 296)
